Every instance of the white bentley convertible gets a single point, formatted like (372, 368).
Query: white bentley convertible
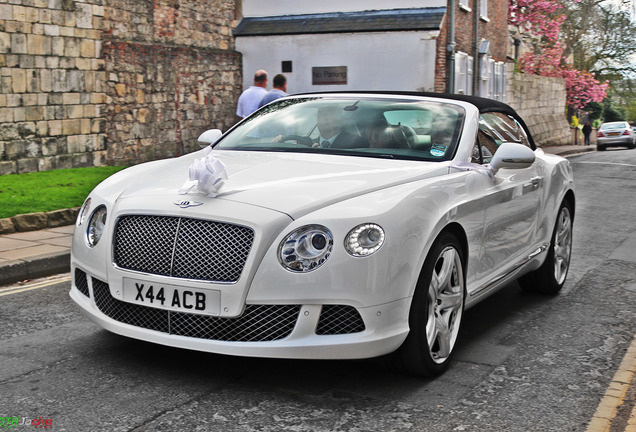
(328, 226)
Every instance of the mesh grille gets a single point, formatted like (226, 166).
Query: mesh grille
(258, 322)
(181, 247)
(81, 282)
(339, 319)
(128, 313)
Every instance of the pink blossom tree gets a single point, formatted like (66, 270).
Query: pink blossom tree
(542, 18)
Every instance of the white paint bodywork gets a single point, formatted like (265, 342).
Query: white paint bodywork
(506, 221)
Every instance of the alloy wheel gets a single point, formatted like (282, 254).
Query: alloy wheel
(562, 245)
(445, 304)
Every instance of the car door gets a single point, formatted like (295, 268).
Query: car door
(512, 202)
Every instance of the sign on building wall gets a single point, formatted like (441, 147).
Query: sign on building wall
(329, 75)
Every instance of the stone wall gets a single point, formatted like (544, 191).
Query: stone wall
(51, 85)
(93, 82)
(541, 103)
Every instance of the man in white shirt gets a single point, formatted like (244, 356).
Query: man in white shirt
(250, 98)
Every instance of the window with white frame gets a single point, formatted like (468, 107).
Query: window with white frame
(463, 4)
(483, 8)
(485, 83)
(499, 82)
(492, 79)
(463, 74)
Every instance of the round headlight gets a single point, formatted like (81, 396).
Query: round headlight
(83, 213)
(96, 226)
(306, 248)
(364, 240)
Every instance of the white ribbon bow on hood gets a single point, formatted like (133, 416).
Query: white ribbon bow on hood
(207, 175)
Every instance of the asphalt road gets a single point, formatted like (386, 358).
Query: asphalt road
(525, 362)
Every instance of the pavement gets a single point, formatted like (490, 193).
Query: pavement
(29, 255)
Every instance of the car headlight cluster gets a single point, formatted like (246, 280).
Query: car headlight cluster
(306, 248)
(364, 240)
(96, 226)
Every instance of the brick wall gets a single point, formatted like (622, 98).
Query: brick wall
(441, 59)
(172, 73)
(493, 27)
(96, 82)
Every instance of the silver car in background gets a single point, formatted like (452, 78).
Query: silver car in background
(615, 134)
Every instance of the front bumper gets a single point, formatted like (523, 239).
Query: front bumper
(305, 331)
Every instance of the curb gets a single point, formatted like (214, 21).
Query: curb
(575, 152)
(38, 221)
(35, 267)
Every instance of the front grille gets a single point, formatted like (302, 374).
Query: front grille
(182, 247)
(339, 319)
(257, 324)
(81, 282)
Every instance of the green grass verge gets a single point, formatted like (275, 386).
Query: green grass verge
(49, 190)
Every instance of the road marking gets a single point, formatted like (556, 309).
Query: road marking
(615, 395)
(605, 163)
(37, 285)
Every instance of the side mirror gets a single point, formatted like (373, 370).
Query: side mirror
(208, 137)
(513, 156)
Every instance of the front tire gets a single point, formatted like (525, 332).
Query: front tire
(550, 277)
(436, 311)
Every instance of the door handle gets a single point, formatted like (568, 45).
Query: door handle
(536, 181)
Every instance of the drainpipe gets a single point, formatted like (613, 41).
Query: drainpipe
(476, 72)
(450, 48)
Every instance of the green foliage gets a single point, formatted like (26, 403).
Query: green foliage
(630, 110)
(595, 110)
(49, 190)
(612, 112)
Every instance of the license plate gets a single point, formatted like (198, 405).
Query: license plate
(172, 297)
(613, 133)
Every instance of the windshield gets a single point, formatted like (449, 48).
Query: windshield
(380, 127)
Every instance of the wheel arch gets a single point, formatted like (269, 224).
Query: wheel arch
(570, 198)
(456, 229)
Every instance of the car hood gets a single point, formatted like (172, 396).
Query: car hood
(291, 183)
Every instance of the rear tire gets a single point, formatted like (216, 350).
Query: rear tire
(550, 277)
(436, 311)
(600, 147)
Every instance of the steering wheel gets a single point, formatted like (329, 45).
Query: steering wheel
(300, 139)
